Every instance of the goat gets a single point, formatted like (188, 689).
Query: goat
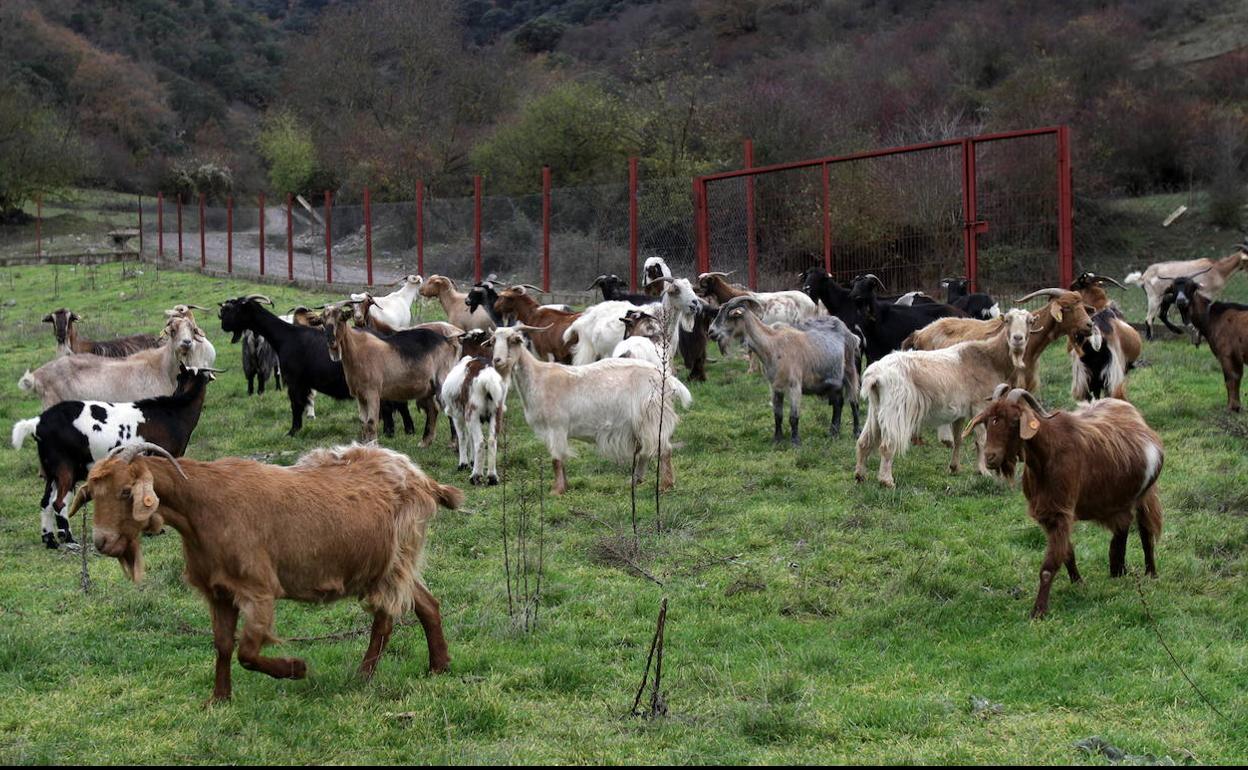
(1098, 463)
(453, 304)
(615, 289)
(643, 337)
(600, 328)
(301, 316)
(975, 304)
(652, 271)
(303, 356)
(1099, 364)
(69, 342)
(778, 306)
(908, 390)
(394, 310)
(817, 357)
(622, 404)
(1210, 274)
(409, 365)
(885, 325)
(72, 435)
(1224, 324)
(348, 521)
(548, 325)
(259, 362)
(1092, 288)
(474, 394)
(484, 295)
(88, 377)
(1065, 315)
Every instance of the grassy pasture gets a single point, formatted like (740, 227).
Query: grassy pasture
(811, 619)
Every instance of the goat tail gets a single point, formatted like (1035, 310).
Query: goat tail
(894, 405)
(448, 496)
(908, 342)
(22, 429)
(27, 382)
(680, 391)
(1136, 278)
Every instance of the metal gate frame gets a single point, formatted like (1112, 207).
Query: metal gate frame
(972, 225)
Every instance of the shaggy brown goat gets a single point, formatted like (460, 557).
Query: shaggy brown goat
(1064, 316)
(349, 521)
(1098, 463)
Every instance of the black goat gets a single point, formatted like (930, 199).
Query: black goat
(74, 434)
(884, 325)
(259, 361)
(303, 356)
(975, 304)
(484, 294)
(615, 288)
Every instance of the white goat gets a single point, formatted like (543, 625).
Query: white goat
(614, 403)
(653, 270)
(474, 395)
(87, 377)
(908, 390)
(601, 327)
(395, 308)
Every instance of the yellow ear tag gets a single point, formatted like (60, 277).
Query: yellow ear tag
(1033, 424)
(149, 501)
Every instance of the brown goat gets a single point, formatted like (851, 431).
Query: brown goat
(1098, 463)
(68, 341)
(547, 341)
(1224, 324)
(365, 319)
(1064, 316)
(406, 366)
(453, 303)
(1092, 288)
(349, 521)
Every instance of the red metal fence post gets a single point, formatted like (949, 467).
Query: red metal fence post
(140, 227)
(261, 207)
(368, 236)
(229, 234)
(420, 227)
(290, 239)
(476, 226)
(827, 221)
(545, 228)
(970, 225)
(160, 225)
(751, 243)
(203, 253)
(329, 236)
(179, 227)
(701, 225)
(1065, 204)
(38, 225)
(632, 223)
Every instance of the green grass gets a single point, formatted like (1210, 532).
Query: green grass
(811, 619)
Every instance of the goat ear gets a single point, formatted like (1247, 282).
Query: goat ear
(144, 501)
(1057, 312)
(47, 319)
(1028, 424)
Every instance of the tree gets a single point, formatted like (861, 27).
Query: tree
(38, 152)
(581, 131)
(287, 148)
(539, 35)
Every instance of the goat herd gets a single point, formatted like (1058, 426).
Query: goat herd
(119, 415)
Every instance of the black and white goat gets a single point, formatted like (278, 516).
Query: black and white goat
(72, 435)
(259, 363)
(474, 396)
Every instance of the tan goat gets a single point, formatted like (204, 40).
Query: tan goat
(349, 521)
(454, 304)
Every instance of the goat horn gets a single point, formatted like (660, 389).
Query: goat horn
(597, 282)
(999, 391)
(660, 279)
(196, 307)
(1103, 278)
(1053, 292)
(875, 279)
(1020, 393)
(527, 328)
(127, 454)
(531, 286)
(258, 298)
(707, 275)
(81, 498)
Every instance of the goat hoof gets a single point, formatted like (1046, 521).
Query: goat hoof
(298, 669)
(492, 480)
(946, 443)
(474, 480)
(859, 477)
(461, 467)
(888, 483)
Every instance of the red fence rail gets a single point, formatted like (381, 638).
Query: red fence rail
(1002, 202)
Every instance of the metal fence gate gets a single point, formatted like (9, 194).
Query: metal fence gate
(994, 207)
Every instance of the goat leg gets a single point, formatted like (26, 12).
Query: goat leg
(383, 626)
(258, 631)
(1057, 531)
(224, 621)
(430, 407)
(1118, 552)
(795, 404)
(837, 399)
(427, 610)
(1148, 522)
(561, 481)
(777, 410)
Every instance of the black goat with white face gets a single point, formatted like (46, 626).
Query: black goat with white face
(72, 435)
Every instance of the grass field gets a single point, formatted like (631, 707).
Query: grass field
(811, 619)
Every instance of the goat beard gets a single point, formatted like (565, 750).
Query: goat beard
(1016, 357)
(131, 561)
